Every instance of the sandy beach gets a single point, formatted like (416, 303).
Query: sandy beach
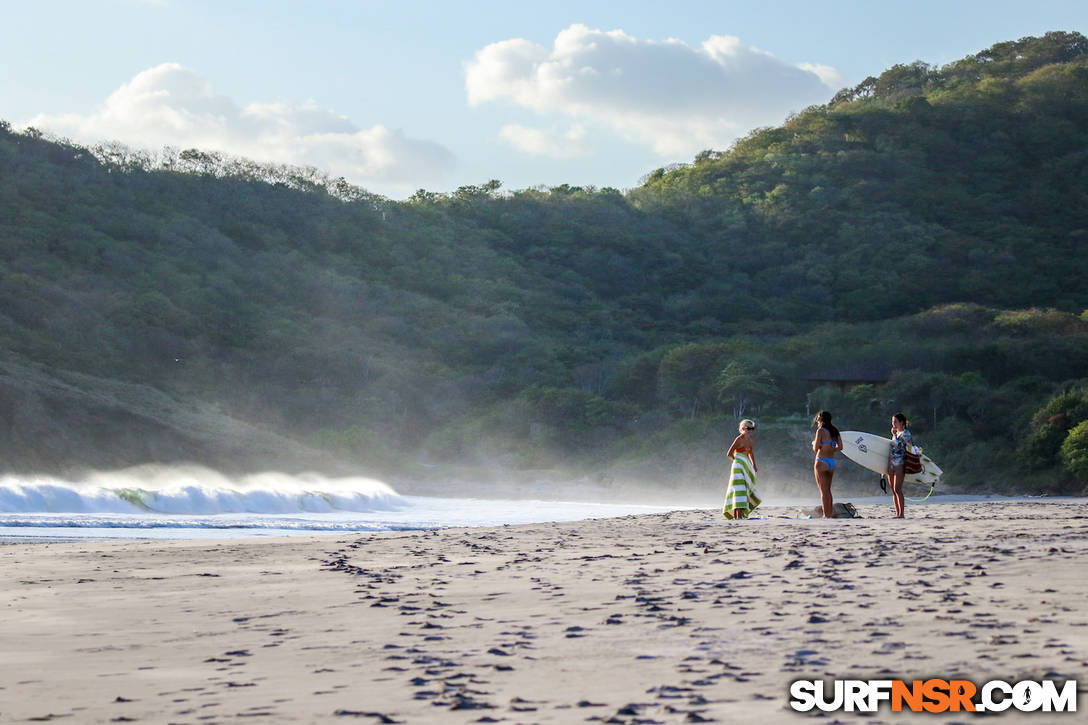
(671, 618)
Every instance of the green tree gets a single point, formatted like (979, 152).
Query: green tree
(1074, 452)
(743, 387)
(1050, 426)
(686, 376)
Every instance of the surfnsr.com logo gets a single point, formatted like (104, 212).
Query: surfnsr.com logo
(933, 695)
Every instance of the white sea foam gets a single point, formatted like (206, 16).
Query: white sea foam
(413, 512)
(195, 502)
(192, 490)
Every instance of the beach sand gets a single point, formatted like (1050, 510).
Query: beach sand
(664, 618)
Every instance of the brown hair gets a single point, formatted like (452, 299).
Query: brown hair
(823, 420)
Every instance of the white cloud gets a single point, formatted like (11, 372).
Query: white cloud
(831, 77)
(539, 142)
(667, 95)
(170, 105)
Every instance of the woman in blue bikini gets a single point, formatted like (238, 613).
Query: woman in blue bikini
(826, 442)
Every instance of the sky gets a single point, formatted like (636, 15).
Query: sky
(402, 95)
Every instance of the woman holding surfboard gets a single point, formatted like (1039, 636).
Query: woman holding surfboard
(827, 441)
(901, 443)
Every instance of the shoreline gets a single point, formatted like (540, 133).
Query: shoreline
(672, 617)
(39, 527)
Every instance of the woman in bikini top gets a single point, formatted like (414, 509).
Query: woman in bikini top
(824, 445)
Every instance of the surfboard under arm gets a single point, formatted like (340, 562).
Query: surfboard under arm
(872, 451)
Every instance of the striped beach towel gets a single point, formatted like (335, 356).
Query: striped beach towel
(740, 495)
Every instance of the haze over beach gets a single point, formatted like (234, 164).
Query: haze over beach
(372, 361)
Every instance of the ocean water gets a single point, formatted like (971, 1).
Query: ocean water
(192, 502)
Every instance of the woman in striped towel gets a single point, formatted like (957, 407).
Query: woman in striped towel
(740, 495)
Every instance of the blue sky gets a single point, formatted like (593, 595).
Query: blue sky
(397, 96)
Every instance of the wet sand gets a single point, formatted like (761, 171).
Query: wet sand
(665, 618)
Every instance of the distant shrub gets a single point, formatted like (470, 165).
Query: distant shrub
(954, 317)
(1074, 452)
(1051, 425)
(1037, 320)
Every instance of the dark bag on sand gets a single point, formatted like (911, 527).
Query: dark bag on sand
(842, 511)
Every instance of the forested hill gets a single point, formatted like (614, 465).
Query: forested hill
(921, 233)
(921, 186)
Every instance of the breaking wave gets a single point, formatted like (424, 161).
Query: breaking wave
(160, 502)
(193, 490)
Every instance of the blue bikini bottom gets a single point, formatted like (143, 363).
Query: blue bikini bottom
(829, 461)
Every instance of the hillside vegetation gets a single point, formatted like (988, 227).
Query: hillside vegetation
(922, 233)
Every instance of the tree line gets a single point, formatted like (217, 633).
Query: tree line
(926, 225)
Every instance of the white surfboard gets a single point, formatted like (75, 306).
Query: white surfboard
(872, 451)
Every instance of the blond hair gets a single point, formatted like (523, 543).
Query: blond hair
(746, 424)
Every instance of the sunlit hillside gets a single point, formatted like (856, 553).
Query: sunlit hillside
(915, 244)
